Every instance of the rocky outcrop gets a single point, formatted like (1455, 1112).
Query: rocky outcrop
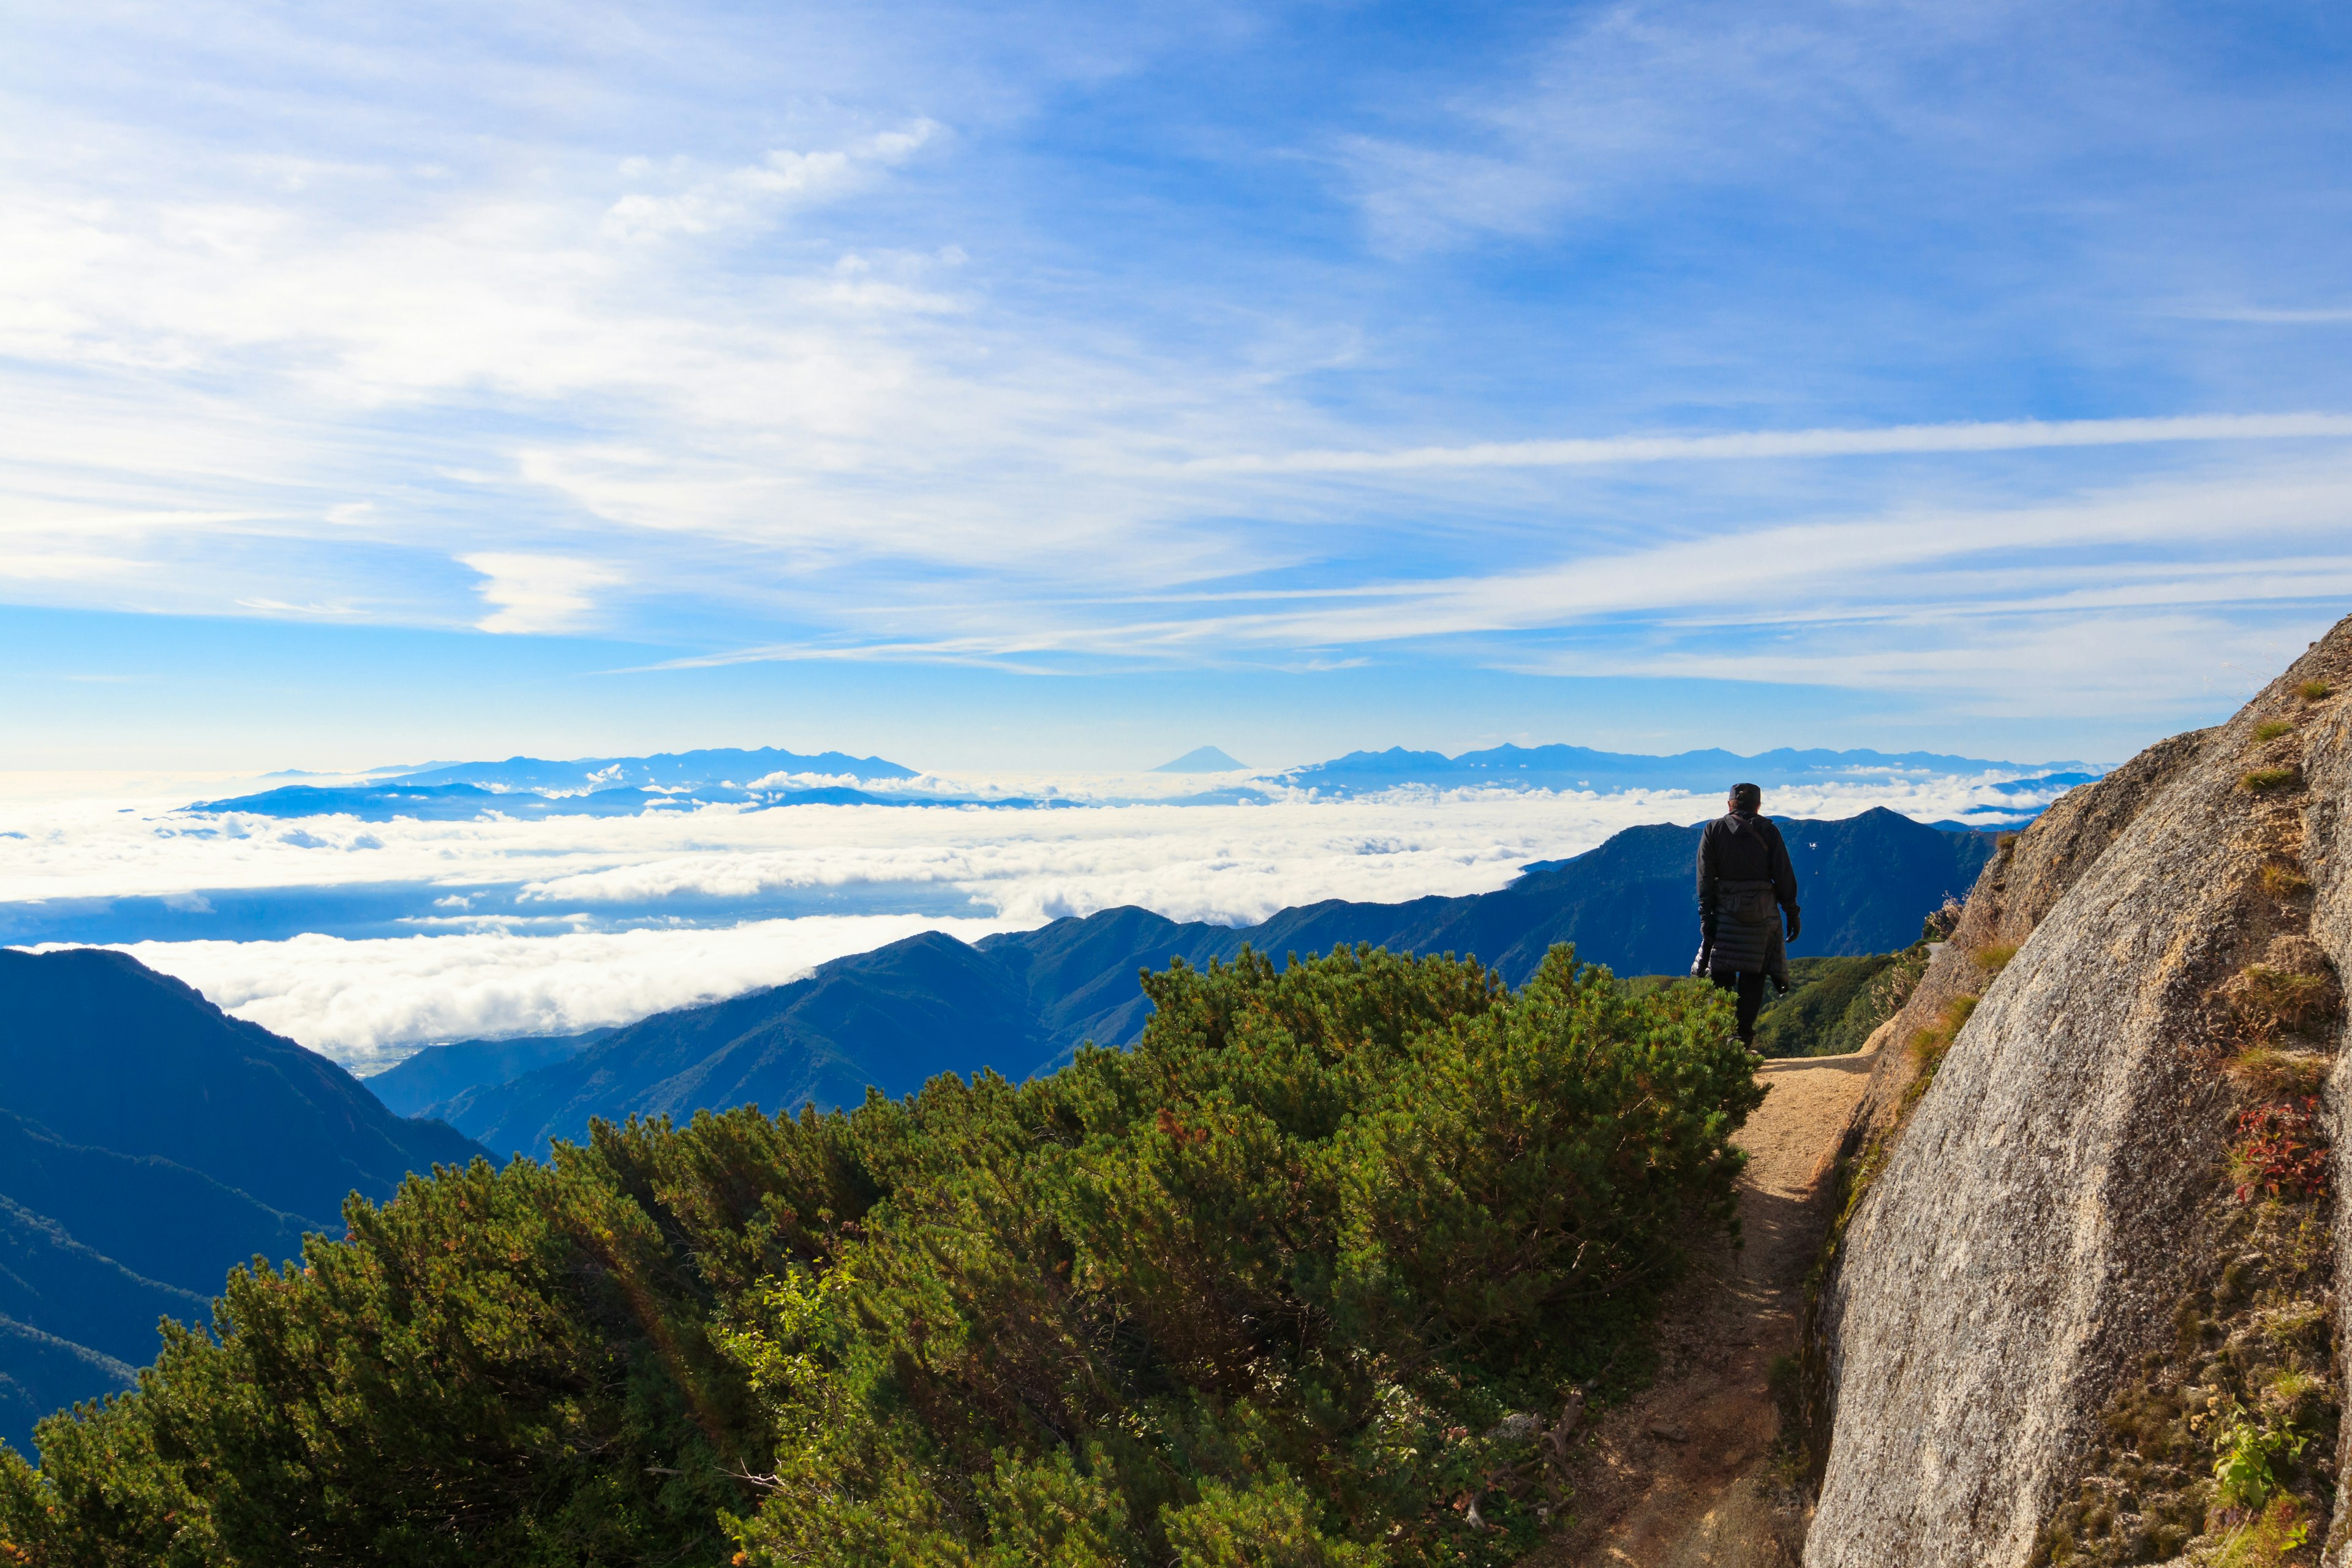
(2027, 1301)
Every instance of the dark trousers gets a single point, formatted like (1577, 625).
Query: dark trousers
(1751, 1000)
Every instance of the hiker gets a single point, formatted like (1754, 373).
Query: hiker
(1744, 882)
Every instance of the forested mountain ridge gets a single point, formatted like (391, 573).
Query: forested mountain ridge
(1021, 1001)
(149, 1144)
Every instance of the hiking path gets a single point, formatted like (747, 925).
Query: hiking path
(1683, 1475)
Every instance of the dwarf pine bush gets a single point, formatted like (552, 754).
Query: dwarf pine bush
(1263, 1288)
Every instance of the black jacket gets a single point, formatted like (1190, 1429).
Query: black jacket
(1738, 847)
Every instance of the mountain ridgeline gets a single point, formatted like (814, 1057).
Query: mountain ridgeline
(536, 787)
(1563, 767)
(1022, 1003)
(148, 1144)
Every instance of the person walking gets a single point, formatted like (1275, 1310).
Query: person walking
(1744, 883)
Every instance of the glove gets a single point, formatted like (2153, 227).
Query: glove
(1794, 924)
(1699, 965)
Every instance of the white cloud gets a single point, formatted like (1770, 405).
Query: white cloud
(2011, 582)
(368, 1004)
(538, 593)
(756, 190)
(2272, 316)
(728, 316)
(1987, 436)
(472, 971)
(1202, 862)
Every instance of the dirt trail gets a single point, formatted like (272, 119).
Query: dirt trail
(1680, 1476)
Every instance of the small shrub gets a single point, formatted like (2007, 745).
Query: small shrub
(2279, 1075)
(1994, 958)
(2248, 1457)
(2270, 781)
(2271, 729)
(2283, 1152)
(1944, 919)
(2315, 691)
(2284, 881)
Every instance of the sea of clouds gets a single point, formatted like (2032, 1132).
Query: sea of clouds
(604, 920)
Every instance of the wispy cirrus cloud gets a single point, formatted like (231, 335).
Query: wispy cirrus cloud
(1068, 340)
(2135, 592)
(1747, 446)
(753, 192)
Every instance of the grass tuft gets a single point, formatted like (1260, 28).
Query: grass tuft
(2271, 729)
(2283, 881)
(1994, 957)
(2279, 1075)
(2270, 781)
(2275, 998)
(1929, 1044)
(2315, 691)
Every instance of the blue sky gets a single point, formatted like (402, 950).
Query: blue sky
(1025, 386)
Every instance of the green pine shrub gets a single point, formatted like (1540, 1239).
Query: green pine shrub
(1300, 1278)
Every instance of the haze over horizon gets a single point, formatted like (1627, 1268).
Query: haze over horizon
(1044, 388)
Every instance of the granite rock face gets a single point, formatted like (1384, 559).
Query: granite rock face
(2023, 1244)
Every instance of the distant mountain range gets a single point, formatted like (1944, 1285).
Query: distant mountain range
(469, 802)
(664, 770)
(1020, 1003)
(534, 787)
(1709, 772)
(148, 1144)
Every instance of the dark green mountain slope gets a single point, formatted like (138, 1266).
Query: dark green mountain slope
(928, 1004)
(149, 1144)
(51, 1282)
(1240, 1295)
(156, 1218)
(104, 1052)
(1021, 1001)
